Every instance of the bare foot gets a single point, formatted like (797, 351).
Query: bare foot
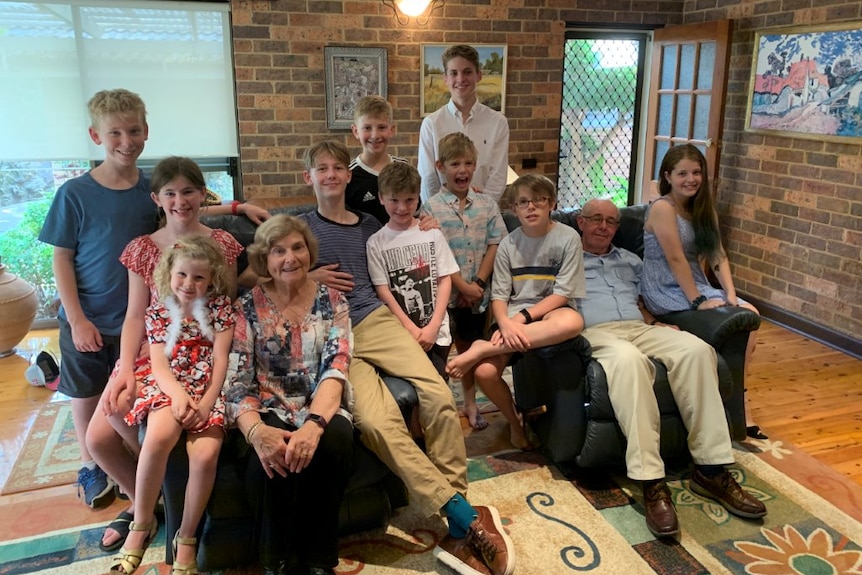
(519, 438)
(475, 418)
(462, 363)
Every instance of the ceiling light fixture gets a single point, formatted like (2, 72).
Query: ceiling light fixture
(421, 10)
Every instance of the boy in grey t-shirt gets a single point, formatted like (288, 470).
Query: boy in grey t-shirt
(538, 275)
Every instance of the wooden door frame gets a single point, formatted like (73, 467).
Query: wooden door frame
(719, 31)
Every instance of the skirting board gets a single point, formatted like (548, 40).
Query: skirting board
(819, 333)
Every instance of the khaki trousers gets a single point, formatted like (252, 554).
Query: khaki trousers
(434, 476)
(623, 349)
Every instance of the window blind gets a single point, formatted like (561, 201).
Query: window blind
(55, 55)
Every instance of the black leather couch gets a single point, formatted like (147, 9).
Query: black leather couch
(226, 531)
(579, 427)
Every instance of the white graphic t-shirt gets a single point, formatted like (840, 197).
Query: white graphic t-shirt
(410, 263)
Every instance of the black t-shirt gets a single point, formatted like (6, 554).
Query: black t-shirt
(362, 190)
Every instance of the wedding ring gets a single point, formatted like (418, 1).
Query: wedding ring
(272, 465)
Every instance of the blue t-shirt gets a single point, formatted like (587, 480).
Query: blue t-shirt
(344, 244)
(97, 223)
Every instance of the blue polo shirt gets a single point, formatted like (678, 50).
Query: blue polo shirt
(613, 282)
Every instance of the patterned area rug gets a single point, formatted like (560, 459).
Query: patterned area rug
(50, 455)
(592, 522)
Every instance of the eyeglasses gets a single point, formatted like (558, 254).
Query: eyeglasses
(537, 202)
(597, 219)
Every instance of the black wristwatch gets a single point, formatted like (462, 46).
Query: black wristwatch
(318, 419)
(480, 282)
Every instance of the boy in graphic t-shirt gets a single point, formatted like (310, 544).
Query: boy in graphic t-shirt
(411, 269)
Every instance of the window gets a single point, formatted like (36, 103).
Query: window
(603, 79)
(57, 54)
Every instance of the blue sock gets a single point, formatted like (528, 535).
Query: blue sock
(461, 514)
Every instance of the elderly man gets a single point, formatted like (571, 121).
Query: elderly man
(624, 337)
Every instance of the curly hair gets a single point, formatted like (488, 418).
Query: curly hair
(272, 231)
(198, 248)
(704, 218)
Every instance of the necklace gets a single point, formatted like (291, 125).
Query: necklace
(294, 309)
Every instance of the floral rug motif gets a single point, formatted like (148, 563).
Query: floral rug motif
(50, 455)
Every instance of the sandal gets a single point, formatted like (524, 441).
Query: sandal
(121, 526)
(183, 568)
(127, 561)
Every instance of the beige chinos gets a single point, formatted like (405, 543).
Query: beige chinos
(434, 476)
(623, 349)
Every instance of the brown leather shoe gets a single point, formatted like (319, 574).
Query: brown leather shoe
(724, 489)
(486, 541)
(661, 517)
(458, 554)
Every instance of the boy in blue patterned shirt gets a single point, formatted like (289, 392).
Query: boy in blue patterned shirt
(473, 227)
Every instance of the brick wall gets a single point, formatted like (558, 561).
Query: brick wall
(278, 47)
(790, 208)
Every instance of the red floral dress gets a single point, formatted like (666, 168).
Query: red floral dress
(190, 358)
(141, 256)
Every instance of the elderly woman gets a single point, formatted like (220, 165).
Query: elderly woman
(287, 391)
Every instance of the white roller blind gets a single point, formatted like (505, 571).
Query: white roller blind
(55, 55)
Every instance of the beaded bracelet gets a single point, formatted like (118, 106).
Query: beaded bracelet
(695, 303)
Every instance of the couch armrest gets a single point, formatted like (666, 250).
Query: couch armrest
(714, 326)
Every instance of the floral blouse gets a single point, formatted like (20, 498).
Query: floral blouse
(276, 366)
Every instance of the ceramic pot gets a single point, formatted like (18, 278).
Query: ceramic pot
(18, 304)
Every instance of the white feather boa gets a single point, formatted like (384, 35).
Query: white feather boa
(175, 313)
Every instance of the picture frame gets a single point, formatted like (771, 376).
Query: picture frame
(351, 73)
(491, 90)
(806, 82)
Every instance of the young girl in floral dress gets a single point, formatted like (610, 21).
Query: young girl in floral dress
(189, 333)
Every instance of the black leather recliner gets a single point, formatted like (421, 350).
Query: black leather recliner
(579, 427)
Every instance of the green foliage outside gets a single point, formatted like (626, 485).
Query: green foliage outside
(618, 192)
(590, 88)
(24, 255)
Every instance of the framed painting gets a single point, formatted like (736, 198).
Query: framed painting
(351, 73)
(491, 90)
(806, 82)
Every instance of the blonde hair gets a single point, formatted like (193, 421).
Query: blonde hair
(274, 230)
(397, 178)
(198, 248)
(116, 102)
(456, 145)
(332, 147)
(374, 107)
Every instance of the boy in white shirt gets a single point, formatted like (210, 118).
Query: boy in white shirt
(486, 127)
(411, 269)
